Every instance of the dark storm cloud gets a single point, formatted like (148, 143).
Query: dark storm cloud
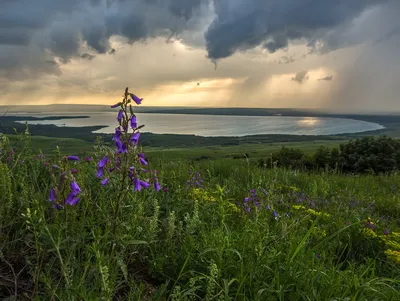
(59, 28)
(244, 24)
(33, 32)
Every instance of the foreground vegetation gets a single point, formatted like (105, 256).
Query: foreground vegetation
(111, 227)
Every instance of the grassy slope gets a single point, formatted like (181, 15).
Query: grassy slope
(197, 242)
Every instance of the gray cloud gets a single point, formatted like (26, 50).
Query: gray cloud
(244, 24)
(300, 77)
(62, 29)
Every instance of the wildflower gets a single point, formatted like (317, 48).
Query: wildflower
(386, 232)
(117, 135)
(88, 159)
(141, 159)
(99, 173)
(74, 171)
(120, 115)
(75, 188)
(73, 158)
(55, 166)
(138, 187)
(74, 201)
(116, 105)
(157, 186)
(104, 182)
(122, 148)
(102, 162)
(165, 189)
(144, 184)
(136, 99)
(52, 196)
(133, 122)
(135, 138)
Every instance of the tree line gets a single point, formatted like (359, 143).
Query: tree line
(364, 155)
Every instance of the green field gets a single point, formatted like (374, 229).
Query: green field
(218, 229)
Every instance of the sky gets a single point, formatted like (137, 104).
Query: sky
(335, 55)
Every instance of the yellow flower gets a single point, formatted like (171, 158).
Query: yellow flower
(367, 232)
(393, 255)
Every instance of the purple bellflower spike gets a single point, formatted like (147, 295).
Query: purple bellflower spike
(120, 115)
(104, 182)
(133, 122)
(52, 196)
(136, 99)
(73, 158)
(135, 138)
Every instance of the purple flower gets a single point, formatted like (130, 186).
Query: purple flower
(74, 171)
(136, 99)
(116, 105)
(102, 162)
(120, 115)
(117, 135)
(52, 196)
(157, 186)
(55, 166)
(165, 189)
(133, 122)
(138, 187)
(104, 182)
(144, 184)
(143, 161)
(75, 188)
(88, 159)
(74, 201)
(70, 198)
(386, 232)
(122, 148)
(99, 172)
(275, 214)
(135, 138)
(73, 158)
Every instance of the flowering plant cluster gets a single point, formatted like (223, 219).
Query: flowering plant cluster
(124, 165)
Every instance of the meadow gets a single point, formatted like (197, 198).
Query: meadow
(105, 223)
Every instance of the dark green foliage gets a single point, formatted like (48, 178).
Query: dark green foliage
(364, 155)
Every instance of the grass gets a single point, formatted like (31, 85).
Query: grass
(306, 236)
(77, 146)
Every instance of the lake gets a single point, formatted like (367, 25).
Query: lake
(216, 125)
